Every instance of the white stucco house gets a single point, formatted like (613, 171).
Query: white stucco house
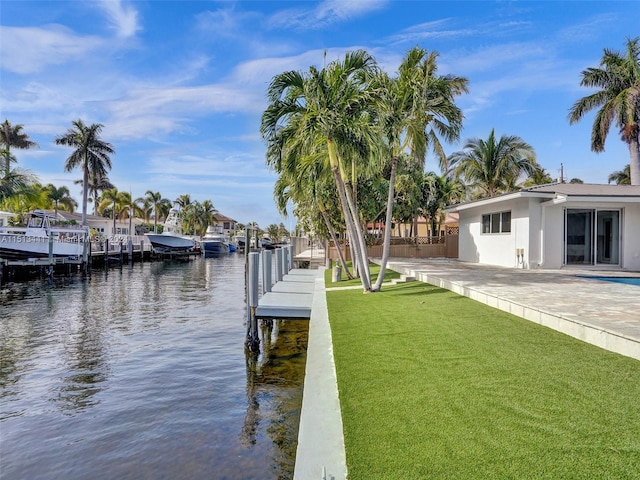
(554, 226)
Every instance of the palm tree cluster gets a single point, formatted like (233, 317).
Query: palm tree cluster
(20, 192)
(618, 96)
(349, 142)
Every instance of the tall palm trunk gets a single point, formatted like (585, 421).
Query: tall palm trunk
(634, 165)
(85, 189)
(334, 237)
(360, 241)
(351, 228)
(349, 219)
(387, 225)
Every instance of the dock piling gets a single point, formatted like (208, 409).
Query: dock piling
(253, 340)
(266, 271)
(279, 274)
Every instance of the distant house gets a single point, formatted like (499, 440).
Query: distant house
(227, 224)
(102, 225)
(554, 226)
(4, 218)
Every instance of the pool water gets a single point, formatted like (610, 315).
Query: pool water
(625, 280)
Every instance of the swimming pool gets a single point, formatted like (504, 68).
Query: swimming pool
(625, 280)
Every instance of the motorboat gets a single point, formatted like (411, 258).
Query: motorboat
(41, 238)
(215, 241)
(171, 238)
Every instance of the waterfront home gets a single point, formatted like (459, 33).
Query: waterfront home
(553, 226)
(4, 218)
(101, 225)
(225, 224)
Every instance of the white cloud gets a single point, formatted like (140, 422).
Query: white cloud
(324, 14)
(124, 20)
(28, 50)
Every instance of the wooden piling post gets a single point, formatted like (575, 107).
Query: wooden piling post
(285, 261)
(50, 248)
(278, 264)
(291, 255)
(130, 250)
(266, 271)
(253, 340)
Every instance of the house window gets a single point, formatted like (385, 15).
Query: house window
(499, 222)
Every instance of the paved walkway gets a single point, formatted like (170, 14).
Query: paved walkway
(606, 314)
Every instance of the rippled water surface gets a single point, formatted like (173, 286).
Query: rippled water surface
(141, 372)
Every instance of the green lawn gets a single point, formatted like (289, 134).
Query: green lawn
(436, 386)
(373, 268)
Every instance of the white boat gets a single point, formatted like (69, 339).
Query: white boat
(42, 238)
(215, 241)
(171, 238)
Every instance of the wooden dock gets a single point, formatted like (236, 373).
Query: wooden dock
(291, 297)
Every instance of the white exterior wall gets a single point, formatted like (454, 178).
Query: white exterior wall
(553, 236)
(554, 232)
(539, 230)
(631, 237)
(495, 248)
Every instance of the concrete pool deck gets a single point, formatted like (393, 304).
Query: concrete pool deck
(605, 314)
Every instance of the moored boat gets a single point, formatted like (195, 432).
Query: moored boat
(215, 241)
(171, 238)
(42, 238)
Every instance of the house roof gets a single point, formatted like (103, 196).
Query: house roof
(222, 218)
(561, 192)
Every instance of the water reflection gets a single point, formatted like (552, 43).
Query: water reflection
(279, 367)
(142, 373)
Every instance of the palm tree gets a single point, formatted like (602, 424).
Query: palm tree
(621, 177)
(438, 192)
(324, 116)
(129, 208)
(209, 212)
(15, 184)
(416, 108)
(183, 201)
(539, 177)
(160, 206)
(97, 184)
(91, 154)
(116, 202)
(618, 79)
(490, 166)
(60, 196)
(12, 136)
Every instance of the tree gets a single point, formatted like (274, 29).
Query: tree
(438, 192)
(12, 136)
(618, 97)
(16, 184)
(91, 154)
(60, 196)
(539, 177)
(160, 206)
(324, 116)
(415, 108)
(97, 184)
(621, 177)
(490, 166)
(116, 202)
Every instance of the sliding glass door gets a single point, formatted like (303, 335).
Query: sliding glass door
(592, 237)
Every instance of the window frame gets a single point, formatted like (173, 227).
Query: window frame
(496, 223)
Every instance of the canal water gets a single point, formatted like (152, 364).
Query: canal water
(141, 373)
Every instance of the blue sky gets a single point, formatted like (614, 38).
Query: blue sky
(180, 85)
